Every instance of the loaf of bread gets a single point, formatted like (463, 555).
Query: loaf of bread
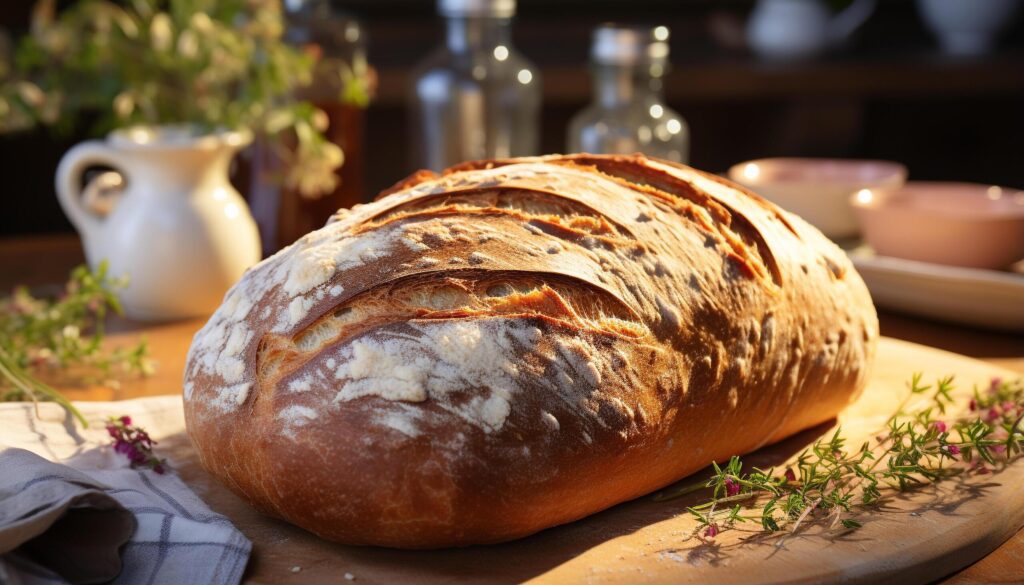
(516, 344)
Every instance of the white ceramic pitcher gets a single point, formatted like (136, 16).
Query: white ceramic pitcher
(180, 231)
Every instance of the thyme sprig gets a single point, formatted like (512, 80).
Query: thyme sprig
(830, 482)
(41, 337)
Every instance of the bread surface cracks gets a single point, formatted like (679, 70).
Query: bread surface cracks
(467, 294)
(473, 294)
(544, 210)
(741, 241)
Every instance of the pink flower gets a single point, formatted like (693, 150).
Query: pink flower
(994, 385)
(731, 487)
(1009, 406)
(993, 415)
(998, 448)
(134, 443)
(953, 450)
(940, 426)
(790, 476)
(973, 405)
(712, 531)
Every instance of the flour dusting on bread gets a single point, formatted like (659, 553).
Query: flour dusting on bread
(432, 361)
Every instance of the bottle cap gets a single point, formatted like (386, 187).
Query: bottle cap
(491, 8)
(615, 44)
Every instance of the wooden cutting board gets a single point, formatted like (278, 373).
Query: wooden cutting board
(914, 538)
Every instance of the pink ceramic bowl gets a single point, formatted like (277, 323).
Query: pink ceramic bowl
(818, 189)
(957, 224)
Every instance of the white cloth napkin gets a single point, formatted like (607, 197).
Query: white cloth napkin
(178, 539)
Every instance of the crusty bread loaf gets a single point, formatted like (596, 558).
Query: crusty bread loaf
(516, 344)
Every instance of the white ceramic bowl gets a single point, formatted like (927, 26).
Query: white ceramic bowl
(965, 27)
(818, 189)
(956, 224)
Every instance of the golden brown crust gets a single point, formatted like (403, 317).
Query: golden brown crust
(449, 364)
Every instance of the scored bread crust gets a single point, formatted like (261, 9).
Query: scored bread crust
(516, 344)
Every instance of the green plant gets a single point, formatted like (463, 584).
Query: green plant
(39, 336)
(829, 481)
(205, 63)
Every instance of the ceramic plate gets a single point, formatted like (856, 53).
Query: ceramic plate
(969, 296)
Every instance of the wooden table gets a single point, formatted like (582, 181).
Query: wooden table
(42, 262)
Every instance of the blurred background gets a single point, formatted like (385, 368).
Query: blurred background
(886, 91)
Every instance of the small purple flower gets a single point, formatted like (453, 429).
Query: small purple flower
(973, 405)
(134, 443)
(712, 531)
(992, 415)
(940, 426)
(731, 487)
(994, 385)
(790, 476)
(953, 450)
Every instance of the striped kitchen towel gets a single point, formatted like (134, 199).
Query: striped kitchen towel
(176, 539)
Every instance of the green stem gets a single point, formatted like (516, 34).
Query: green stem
(680, 492)
(31, 386)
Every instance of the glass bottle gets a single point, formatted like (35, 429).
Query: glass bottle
(628, 113)
(341, 87)
(476, 97)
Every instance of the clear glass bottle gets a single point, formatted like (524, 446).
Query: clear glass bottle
(476, 97)
(628, 113)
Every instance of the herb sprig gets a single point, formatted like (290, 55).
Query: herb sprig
(40, 337)
(829, 481)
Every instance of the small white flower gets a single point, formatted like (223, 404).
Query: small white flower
(188, 44)
(124, 104)
(160, 32)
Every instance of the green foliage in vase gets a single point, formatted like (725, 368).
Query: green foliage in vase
(39, 336)
(208, 64)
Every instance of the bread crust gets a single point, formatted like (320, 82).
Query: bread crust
(516, 344)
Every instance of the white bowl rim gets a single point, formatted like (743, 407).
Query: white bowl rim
(891, 171)
(976, 190)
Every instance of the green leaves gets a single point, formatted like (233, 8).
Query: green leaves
(205, 63)
(829, 483)
(50, 336)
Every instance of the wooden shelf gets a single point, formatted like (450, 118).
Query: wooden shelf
(741, 78)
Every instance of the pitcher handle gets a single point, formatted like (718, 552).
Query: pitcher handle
(69, 176)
